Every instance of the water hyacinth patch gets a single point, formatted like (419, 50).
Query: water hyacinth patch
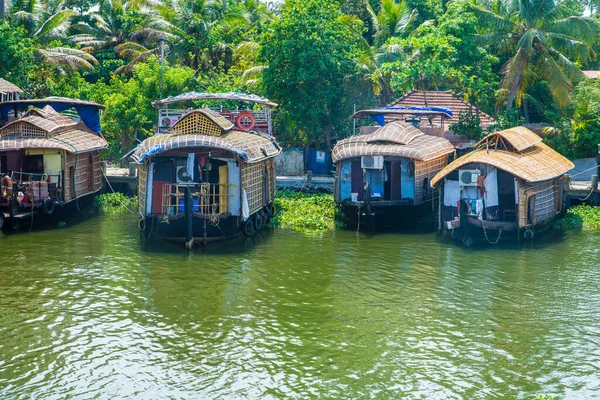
(580, 217)
(116, 202)
(305, 211)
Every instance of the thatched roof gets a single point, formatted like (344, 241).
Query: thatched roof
(249, 147)
(80, 140)
(396, 139)
(251, 98)
(7, 87)
(214, 117)
(535, 163)
(519, 138)
(45, 119)
(47, 129)
(445, 99)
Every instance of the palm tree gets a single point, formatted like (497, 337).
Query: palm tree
(394, 19)
(541, 43)
(194, 24)
(45, 22)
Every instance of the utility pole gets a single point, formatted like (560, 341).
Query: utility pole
(162, 63)
(2, 5)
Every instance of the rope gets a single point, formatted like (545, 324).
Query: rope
(358, 223)
(122, 204)
(486, 236)
(589, 169)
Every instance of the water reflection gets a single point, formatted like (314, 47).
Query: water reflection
(86, 311)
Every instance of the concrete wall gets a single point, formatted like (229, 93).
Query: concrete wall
(290, 162)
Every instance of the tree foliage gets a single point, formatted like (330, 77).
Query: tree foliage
(309, 53)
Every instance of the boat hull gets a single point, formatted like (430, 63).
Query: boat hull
(389, 216)
(23, 217)
(474, 232)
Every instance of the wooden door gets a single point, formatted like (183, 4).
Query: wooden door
(396, 180)
(223, 188)
(357, 180)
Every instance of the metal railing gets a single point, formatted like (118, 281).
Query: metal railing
(207, 198)
(261, 117)
(32, 187)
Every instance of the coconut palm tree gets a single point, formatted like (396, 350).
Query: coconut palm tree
(194, 24)
(541, 43)
(46, 22)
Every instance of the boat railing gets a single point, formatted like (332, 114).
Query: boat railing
(168, 117)
(207, 198)
(36, 187)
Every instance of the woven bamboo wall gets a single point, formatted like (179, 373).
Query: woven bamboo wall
(23, 130)
(427, 169)
(142, 170)
(253, 181)
(196, 123)
(545, 201)
(88, 175)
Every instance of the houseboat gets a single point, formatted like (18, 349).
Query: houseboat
(387, 172)
(208, 173)
(49, 161)
(510, 187)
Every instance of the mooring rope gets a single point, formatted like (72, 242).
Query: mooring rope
(122, 204)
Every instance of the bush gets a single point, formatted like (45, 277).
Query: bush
(304, 211)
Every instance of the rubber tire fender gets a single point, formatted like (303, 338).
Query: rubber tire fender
(48, 206)
(142, 224)
(247, 227)
(259, 221)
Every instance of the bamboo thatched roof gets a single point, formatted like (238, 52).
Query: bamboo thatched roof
(520, 138)
(47, 129)
(45, 119)
(536, 163)
(223, 123)
(7, 87)
(79, 140)
(396, 139)
(249, 147)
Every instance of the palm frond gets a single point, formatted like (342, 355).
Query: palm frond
(54, 27)
(492, 21)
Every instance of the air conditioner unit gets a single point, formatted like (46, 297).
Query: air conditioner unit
(371, 162)
(167, 122)
(468, 177)
(182, 175)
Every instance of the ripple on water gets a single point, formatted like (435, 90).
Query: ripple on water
(90, 313)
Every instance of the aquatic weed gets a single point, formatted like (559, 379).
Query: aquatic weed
(580, 217)
(306, 211)
(116, 202)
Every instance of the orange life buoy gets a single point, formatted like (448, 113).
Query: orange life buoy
(240, 117)
(6, 187)
(229, 115)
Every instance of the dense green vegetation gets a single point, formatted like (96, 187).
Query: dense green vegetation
(519, 60)
(580, 217)
(116, 203)
(306, 212)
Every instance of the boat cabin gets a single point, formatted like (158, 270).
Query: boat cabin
(48, 160)
(512, 184)
(390, 167)
(205, 180)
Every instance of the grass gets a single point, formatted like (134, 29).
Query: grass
(580, 217)
(116, 202)
(306, 212)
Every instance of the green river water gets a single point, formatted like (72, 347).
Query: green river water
(87, 312)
